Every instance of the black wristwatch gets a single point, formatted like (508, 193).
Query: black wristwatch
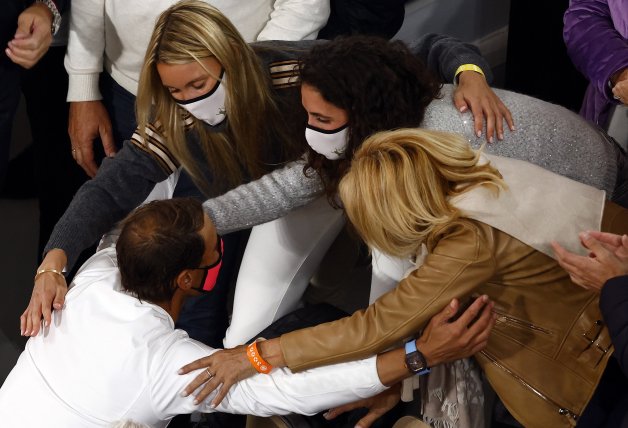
(415, 361)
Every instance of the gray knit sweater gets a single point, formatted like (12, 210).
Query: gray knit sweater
(547, 135)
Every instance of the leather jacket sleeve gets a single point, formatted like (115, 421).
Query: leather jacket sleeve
(460, 259)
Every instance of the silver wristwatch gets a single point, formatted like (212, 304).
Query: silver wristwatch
(56, 16)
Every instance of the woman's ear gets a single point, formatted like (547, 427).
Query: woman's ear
(185, 279)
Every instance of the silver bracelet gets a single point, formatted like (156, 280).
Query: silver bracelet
(56, 16)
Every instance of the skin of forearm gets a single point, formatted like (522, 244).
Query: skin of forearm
(271, 352)
(54, 259)
(391, 365)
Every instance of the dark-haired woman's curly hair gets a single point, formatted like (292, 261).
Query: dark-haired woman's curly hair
(380, 84)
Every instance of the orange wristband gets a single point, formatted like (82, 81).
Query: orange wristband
(256, 359)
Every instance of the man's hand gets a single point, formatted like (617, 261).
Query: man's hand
(49, 292)
(443, 341)
(620, 86)
(32, 37)
(226, 367)
(607, 259)
(88, 120)
(378, 405)
(474, 93)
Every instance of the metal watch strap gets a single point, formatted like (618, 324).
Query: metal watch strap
(56, 16)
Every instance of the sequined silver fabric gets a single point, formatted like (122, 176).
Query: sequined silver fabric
(547, 135)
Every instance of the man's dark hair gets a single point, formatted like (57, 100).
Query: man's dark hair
(381, 85)
(158, 241)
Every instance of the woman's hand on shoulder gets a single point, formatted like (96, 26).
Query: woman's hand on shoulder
(222, 369)
(48, 293)
(473, 93)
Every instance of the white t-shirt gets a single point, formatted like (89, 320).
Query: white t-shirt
(110, 357)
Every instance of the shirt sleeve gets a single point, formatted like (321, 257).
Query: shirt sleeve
(614, 307)
(295, 20)
(121, 184)
(444, 54)
(460, 261)
(596, 48)
(279, 392)
(86, 48)
(268, 198)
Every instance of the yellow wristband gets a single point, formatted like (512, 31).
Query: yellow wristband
(467, 67)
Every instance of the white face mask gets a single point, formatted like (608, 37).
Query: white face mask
(210, 108)
(331, 144)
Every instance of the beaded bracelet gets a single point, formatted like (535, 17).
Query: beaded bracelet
(256, 359)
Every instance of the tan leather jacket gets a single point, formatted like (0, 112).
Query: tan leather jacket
(548, 349)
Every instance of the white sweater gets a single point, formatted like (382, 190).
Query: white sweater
(116, 33)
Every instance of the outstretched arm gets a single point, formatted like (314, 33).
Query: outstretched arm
(260, 201)
(453, 61)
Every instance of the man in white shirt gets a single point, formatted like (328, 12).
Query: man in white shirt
(113, 354)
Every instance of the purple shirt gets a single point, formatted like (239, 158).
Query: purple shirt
(596, 35)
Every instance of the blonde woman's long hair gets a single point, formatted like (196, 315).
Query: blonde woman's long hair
(397, 190)
(192, 30)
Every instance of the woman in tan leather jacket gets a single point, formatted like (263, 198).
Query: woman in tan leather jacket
(487, 228)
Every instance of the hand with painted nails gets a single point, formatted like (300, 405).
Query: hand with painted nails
(48, 293)
(473, 93)
(377, 406)
(608, 258)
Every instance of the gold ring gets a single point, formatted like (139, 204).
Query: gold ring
(209, 374)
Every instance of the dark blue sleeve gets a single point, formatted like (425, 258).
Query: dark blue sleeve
(121, 184)
(614, 307)
(444, 54)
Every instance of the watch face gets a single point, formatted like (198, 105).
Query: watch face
(415, 362)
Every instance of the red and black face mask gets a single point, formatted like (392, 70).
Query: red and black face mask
(208, 282)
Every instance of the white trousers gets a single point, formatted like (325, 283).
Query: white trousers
(387, 272)
(280, 259)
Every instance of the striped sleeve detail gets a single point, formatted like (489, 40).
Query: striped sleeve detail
(285, 74)
(154, 146)
(188, 119)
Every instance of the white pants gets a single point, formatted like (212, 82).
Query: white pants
(387, 272)
(279, 260)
